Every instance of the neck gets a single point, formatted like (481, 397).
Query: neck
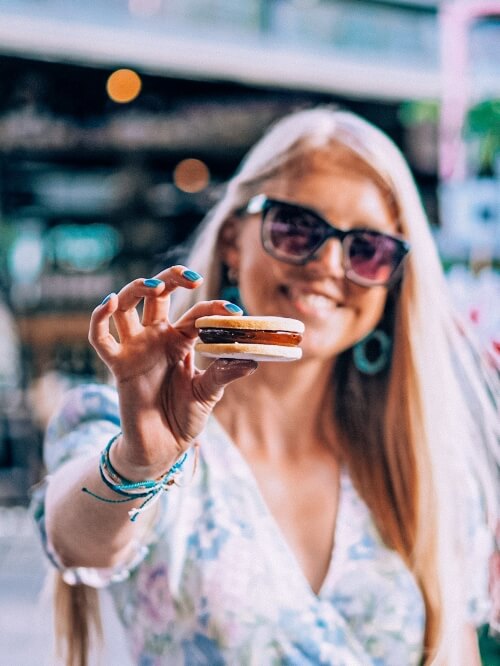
(282, 410)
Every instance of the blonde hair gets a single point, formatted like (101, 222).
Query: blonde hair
(411, 436)
(77, 619)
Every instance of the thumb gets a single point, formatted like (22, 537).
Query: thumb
(211, 383)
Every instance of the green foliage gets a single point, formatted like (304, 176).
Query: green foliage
(489, 648)
(419, 111)
(483, 123)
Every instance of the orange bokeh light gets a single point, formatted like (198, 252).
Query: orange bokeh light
(191, 175)
(123, 86)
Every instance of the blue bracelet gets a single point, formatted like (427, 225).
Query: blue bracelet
(131, 490)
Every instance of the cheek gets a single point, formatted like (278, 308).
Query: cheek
(255, 266)
(255, 275)
(256, 283)
(370, 307)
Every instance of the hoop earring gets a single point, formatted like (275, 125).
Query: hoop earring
(373, 353)
(230, 290)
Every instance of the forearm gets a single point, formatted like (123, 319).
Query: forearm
(82, 530)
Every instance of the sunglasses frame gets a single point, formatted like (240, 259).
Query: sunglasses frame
(261, 203)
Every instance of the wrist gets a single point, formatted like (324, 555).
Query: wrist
(147, 490)
(129, 465)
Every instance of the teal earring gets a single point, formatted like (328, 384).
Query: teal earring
(373, 353)
(230, 290)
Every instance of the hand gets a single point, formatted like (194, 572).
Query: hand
(164, 399)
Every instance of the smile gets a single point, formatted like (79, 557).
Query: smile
(308, 301)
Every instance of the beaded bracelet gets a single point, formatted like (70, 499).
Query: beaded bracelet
(131, 490)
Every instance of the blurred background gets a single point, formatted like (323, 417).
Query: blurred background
(120, 120)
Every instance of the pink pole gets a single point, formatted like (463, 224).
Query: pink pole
(455, 20)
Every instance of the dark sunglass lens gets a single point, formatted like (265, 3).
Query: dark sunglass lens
(374, 257)
(290, 232)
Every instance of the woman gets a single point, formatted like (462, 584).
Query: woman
(338, 512)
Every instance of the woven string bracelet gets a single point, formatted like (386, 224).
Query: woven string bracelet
(131, 490)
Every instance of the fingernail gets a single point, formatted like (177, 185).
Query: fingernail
(228, 369)
(249, 365)
(231, 307)
(107, 298)
(152, 282)
(192, 276)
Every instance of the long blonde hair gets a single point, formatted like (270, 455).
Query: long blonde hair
(411, 437)
(410, 434)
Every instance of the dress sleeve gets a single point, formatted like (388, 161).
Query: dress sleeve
(83, 425)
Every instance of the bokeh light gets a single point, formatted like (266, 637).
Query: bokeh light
(191, 175)
(124, 85)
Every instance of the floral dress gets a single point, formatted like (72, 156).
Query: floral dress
(216, 584)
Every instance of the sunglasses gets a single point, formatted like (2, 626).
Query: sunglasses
(294, 234)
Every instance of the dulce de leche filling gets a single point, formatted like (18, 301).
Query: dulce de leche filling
(228, 335)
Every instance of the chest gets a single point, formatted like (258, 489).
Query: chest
(303, 501)
(235, 561)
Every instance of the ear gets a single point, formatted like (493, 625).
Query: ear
(229, 245)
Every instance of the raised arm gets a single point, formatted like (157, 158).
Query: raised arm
(164, 402)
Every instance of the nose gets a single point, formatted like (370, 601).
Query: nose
(329, 258)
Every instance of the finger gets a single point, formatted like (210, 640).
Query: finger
(126, 316)
(209, 385)
(179, 276)
(186, 323)
(99, 336)
(156, 304)
(156, 309)
(189, 364)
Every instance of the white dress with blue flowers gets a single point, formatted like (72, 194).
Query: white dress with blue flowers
(216, 583)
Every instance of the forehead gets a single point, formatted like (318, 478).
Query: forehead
(345, 190)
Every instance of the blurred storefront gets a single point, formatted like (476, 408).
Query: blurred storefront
(120, 121)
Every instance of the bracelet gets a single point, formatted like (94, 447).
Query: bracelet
(131, 490)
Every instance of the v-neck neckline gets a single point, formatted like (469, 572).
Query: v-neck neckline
(338, 548)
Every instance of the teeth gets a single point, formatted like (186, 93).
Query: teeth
(315, 301)
(310, 301)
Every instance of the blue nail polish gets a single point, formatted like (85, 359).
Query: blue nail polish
(107, 298)
(152, 282)
(192, 276)
(231, 307)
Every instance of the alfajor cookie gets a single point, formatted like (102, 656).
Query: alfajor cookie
(246, 337)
